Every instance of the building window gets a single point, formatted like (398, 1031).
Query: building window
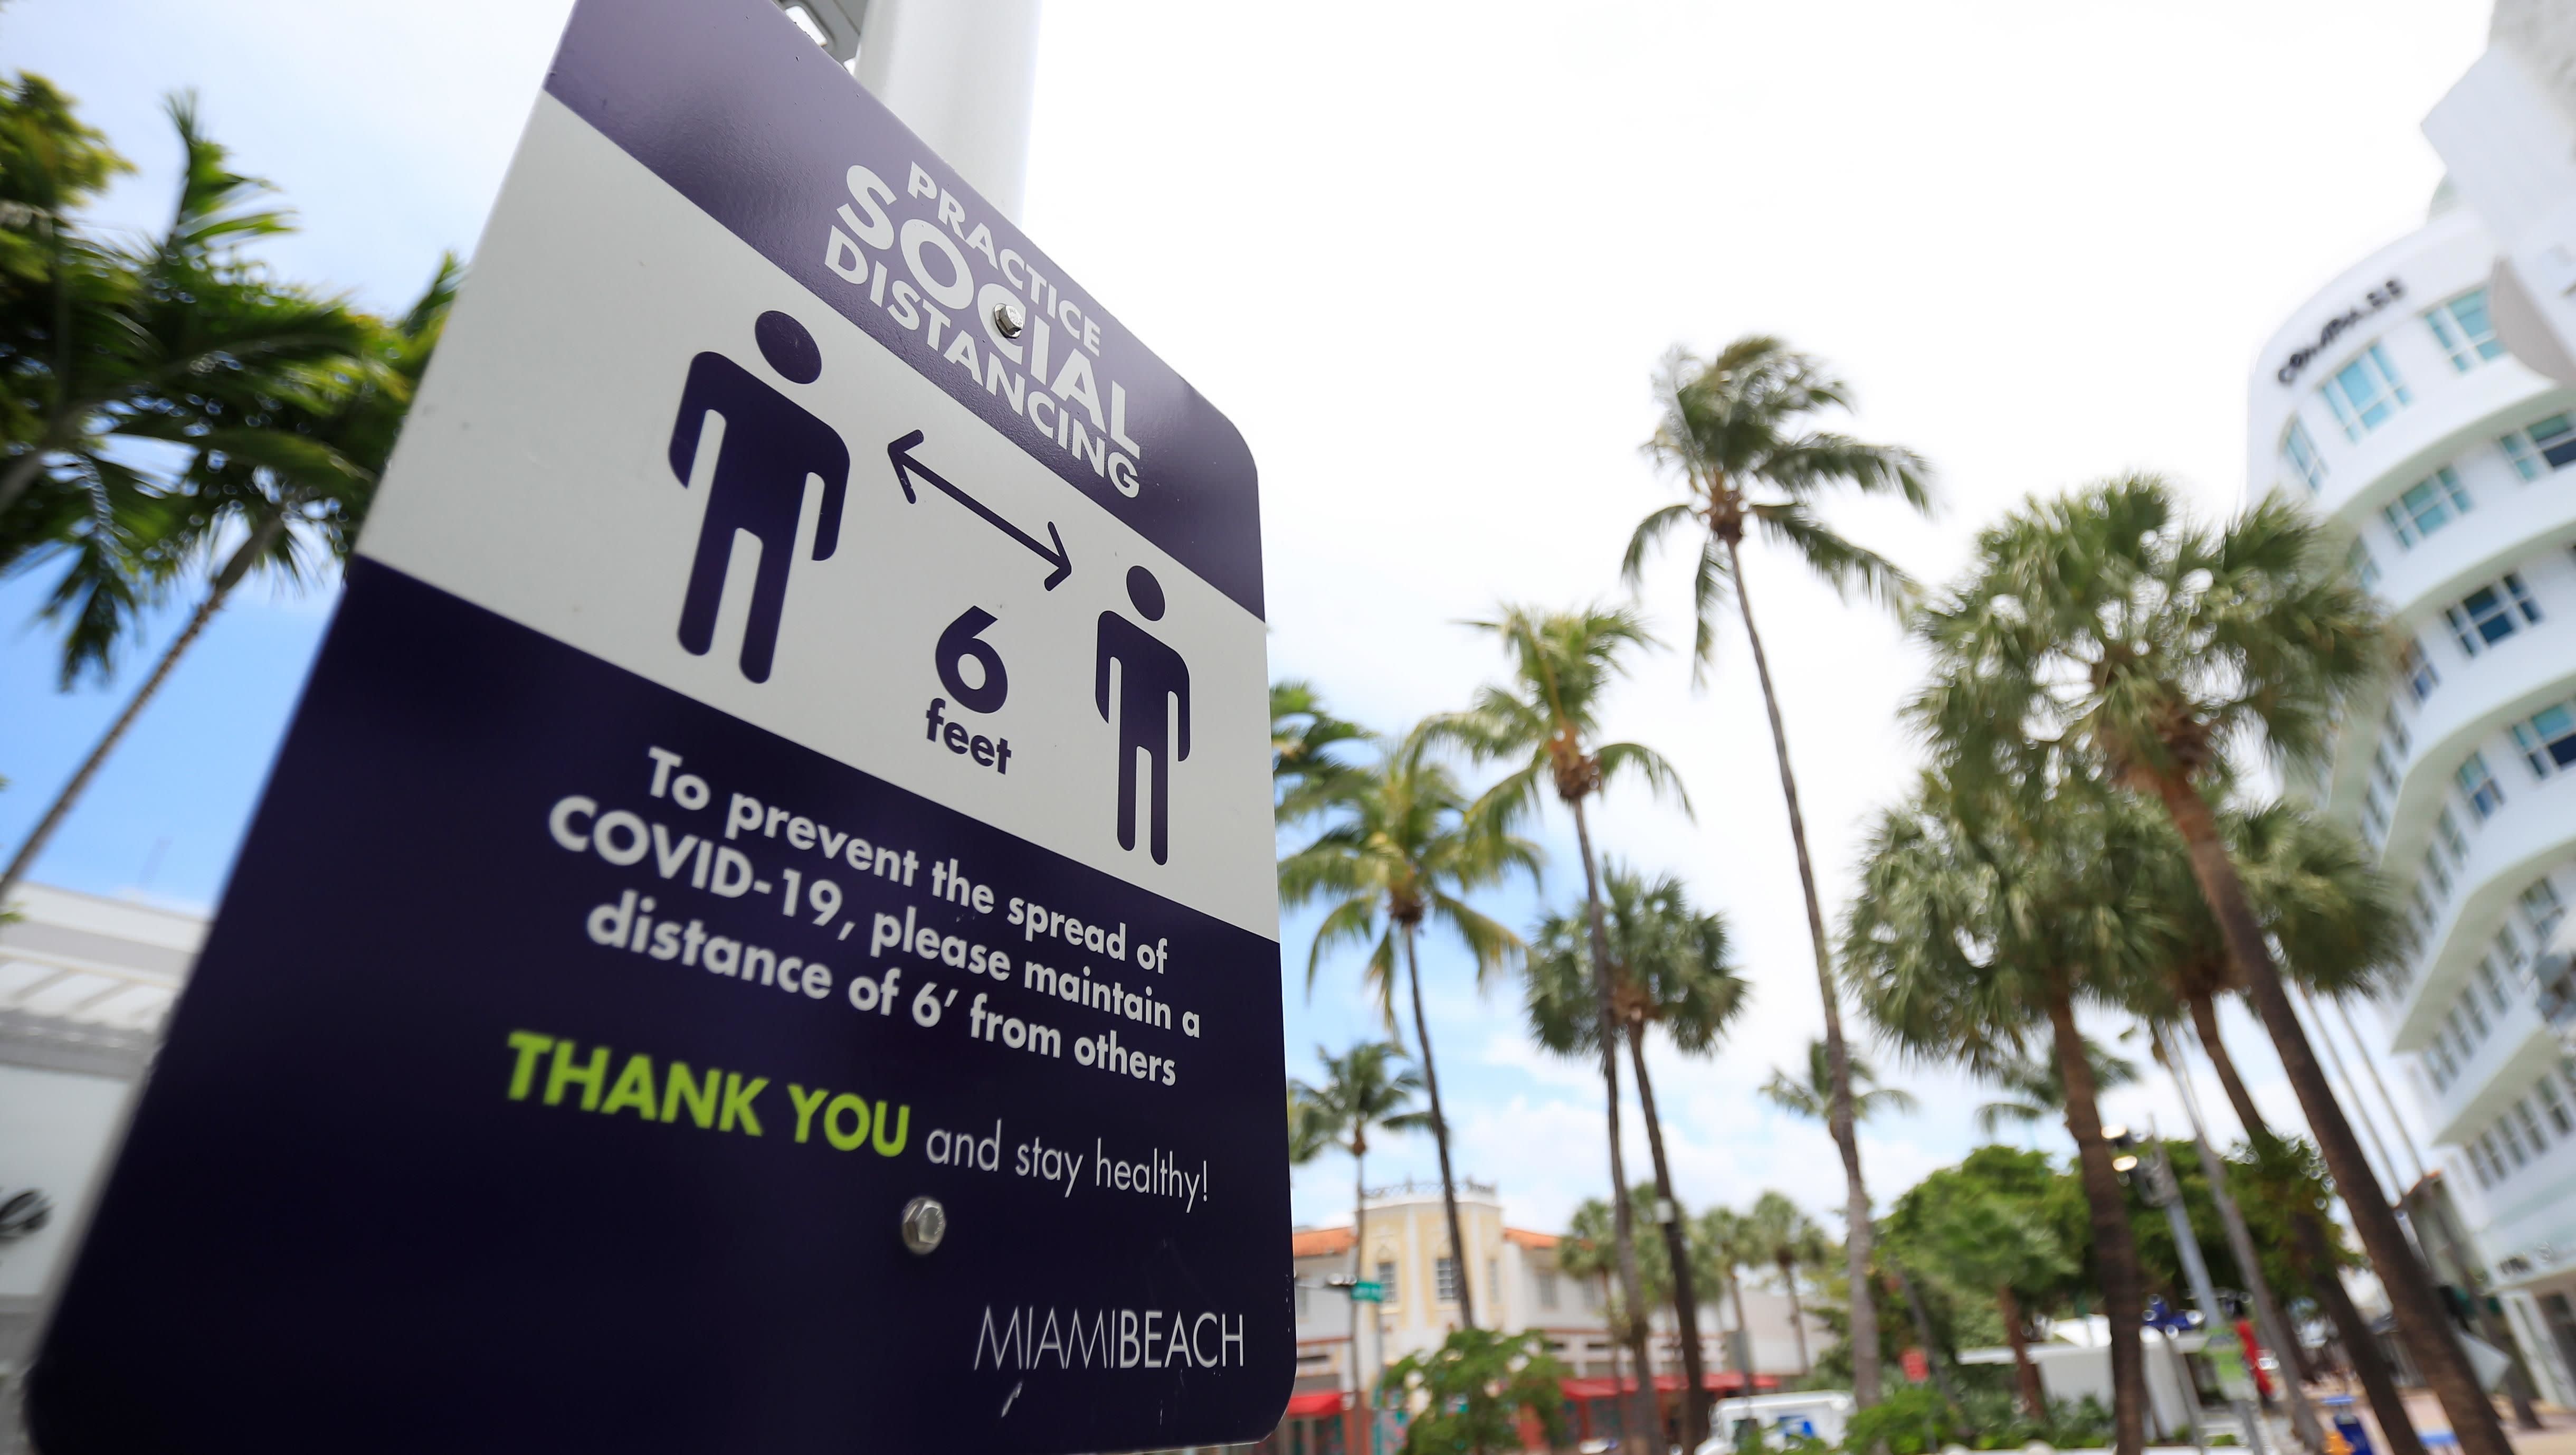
(2437, 876)
(2364, 393)
(2466, 333)
(2426, 506)
(2512, 1144)
(1386, 1281)
(2487, 1144)
(2541, 446)
(2542, 908)
(2399, 739)
(1444, 1279)
(2478, 1164)
(2487, 615)
(2530, 1126)
(2477, 1018)
(2374, 816)
(2514, 960)
(2300, 453)
(2364, 567)
(2494, 984)
(2417, 669)
(2446, 828)
(1547, 1288)
(2556, 1105)
(2548, 739)
(2383, 766)
(2479, 787)
(2424, 910)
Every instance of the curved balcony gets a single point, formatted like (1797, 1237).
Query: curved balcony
(2535, 830)
(2522, 1049)
(2511, 521)
(2477, 699)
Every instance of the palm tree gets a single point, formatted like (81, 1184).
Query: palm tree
(1980, 924)
(1303, 769)
(1812, 1096)
(1672, 968)
(115, 338)
(1400, 848)
(2033, 1092)
(1729, 1241)
(1783, 1230)
(1739, 431)
(2340, 932)
(1588, 1249)
(1365, 1086)
(1548, 717)
(2106, 620)
(285, 463)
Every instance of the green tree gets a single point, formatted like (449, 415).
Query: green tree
(2033, 1092)
(1472, 1387)
(1981, 923)
(2107, 622)
(1547, 716)
(1366, 1086)
(1671, 967)
(1740, 431)
(1995, 1227)
(1782, 1230)
(1399, 848)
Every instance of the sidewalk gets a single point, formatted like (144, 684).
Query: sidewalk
(2557, 1435)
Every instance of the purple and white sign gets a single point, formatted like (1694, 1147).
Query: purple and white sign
(794, 742)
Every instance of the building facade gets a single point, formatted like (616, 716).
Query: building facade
(1515, 1282)
(2397, 403)
(85, 986)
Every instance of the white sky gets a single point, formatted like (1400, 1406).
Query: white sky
(1426, 255)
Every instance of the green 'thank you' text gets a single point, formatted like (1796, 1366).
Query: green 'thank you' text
(555, 1071)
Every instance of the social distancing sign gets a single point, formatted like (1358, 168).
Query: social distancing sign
(762, 934)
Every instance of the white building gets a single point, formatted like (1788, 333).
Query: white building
(2446, 467)
(1514, 1280)
(85, 986)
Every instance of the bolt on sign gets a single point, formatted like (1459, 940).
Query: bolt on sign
(762, 934)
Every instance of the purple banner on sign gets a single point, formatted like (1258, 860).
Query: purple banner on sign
(731, 105)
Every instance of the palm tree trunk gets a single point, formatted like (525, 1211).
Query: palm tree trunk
(243, 558)
(1440, 1136)
(2315, 1254)
(1797, 1315)
(2025, 1373)
(2113, 1246)
(1622, 1217)
(1685, 1293)
(21, 472)
(1856, 1223)
(2421, 1319)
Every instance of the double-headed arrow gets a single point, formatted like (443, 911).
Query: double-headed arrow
(905, 467)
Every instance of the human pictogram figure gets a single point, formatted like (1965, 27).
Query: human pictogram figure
(770, 446)
(1151, 676)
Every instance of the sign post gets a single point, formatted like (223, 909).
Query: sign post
(762, 932)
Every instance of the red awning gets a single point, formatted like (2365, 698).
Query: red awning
(1312, 1403)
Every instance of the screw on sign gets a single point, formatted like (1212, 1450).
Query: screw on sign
(551, 906)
